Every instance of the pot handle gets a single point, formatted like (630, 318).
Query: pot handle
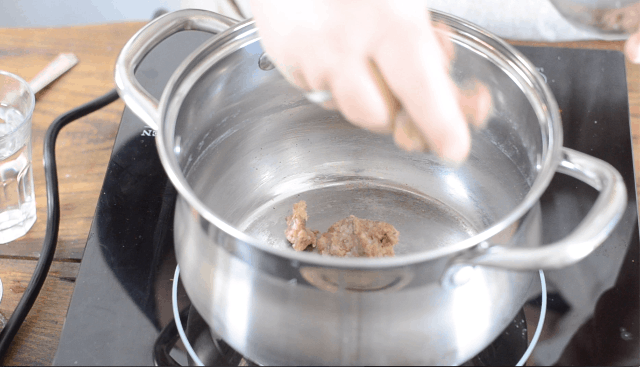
(585, 238)
(141, 102)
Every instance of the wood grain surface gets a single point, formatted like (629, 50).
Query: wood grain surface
(83, 151)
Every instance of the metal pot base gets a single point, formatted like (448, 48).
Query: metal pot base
(212, 350)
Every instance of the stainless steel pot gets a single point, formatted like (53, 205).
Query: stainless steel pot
(241, 146)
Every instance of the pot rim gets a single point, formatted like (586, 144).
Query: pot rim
(511, 61)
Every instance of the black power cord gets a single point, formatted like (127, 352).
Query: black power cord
(53, 217)
(167, 340)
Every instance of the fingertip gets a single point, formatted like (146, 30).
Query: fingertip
(632, 48)
(455, 148)
(421, 82)
(450, 143)
(361, 95)
(361, 111)
(406, 135)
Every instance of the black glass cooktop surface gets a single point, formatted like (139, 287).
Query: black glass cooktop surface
(122, 300)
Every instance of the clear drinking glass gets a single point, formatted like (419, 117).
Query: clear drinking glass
(614, 19)
(17, 199)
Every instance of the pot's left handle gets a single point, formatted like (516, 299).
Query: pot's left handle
(143, 104)
(585, 238)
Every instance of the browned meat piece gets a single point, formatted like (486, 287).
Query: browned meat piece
(351, 236)
(357, 237)
(297, 232)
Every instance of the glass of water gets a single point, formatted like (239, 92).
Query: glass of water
(17, 199)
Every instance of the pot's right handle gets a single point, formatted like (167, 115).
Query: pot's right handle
(143, 104)
(585, 238)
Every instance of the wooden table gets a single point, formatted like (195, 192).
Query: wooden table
(83, 152)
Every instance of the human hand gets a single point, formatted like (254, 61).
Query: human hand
(384, 64)
(621, 21)
(630, 18)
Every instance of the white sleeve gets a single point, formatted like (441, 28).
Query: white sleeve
(533, 20)
(236, 9)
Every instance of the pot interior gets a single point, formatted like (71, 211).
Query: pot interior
(250, 146)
